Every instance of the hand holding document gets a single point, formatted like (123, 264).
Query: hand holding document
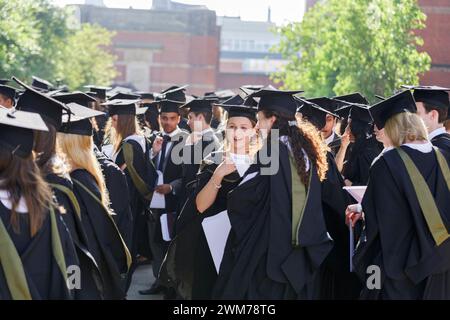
(158, 199)
(357, 192)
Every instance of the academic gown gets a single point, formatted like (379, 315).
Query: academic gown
(189, 266)
(138, 204)
(260, 261)
(337, 281)
(104, 239)
(442, 141)
(44, 278)
(396, 236)
(356, 169)
(117, 186)
(91, 282)
(193, 155)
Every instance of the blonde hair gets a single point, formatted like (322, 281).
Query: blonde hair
(405, 126)
(79, 151)
(127, 125)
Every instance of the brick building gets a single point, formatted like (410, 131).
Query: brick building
(161, 47)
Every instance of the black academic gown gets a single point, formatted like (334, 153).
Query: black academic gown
(192, 157)
(138, 204)
(442, 141)
(189, 266)
(44, 278)
(103, 236)
(396, 237)
(337, 281)
(91, 282)
(356, 169)
(260, 261)
(116, 183)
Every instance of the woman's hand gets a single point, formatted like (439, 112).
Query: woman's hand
(225, 168)
(353, 213)
(345, 138)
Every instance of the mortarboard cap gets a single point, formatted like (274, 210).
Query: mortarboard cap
(121, 107)
(327, 103)
(277, 100)
(146, 95)
(8, 91)
(398, 103)
(356, 97)
(124, 96)
(42, 84)
(4, 81)
(174, 93)
(32, 100)
(79, 122)
(169, 106)
(16, 130)
(433, 95)
(199, 105)
(313, 112)
(77, 97)
(356, 112)
(99, 90)
(248, 109)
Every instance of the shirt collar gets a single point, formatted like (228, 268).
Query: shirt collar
(330, 138)
(436, 133)
(423, 147)
(173, 133)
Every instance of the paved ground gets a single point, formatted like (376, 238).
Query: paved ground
(142, 279)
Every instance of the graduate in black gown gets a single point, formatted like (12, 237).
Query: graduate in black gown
(432, 106)
(200, 143)
(281, 246)
(36, 248)
(359, 146)
(56, 172)
(189, 266)
(338, 282)
(131, 153)
(405, 210)
(328, 131)
(104, 239)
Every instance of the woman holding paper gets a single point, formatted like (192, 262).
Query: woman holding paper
(405, 210)
(194, 258)
(282, 241)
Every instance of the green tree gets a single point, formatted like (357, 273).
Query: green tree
(343, 46)
(35, 39)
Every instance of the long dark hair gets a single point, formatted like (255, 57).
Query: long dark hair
(305, 137)
(46, 149)
(152, 116)
(21, 177)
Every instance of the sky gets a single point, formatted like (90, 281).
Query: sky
(282, 11)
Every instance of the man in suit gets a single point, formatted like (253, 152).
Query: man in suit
(330, 136)
(432, 104)
(166, 157)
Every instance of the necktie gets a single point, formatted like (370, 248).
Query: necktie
(166, 139)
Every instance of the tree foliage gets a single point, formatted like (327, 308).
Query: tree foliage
(35, 39)
(343, 46)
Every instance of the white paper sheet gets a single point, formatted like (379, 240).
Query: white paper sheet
(165, 227)
(158, 199)
(357, 192)
(217, 228)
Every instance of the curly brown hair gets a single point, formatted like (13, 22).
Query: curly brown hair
(305, 137)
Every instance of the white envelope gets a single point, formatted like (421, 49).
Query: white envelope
(217, 228)
(158, 199)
